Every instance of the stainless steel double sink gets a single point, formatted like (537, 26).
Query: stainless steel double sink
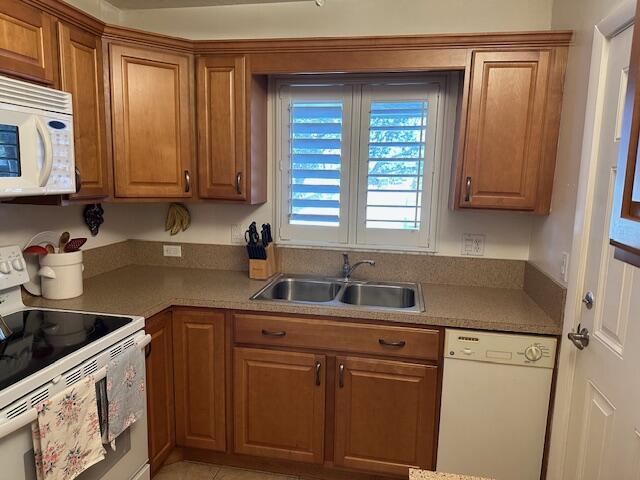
(333, 292)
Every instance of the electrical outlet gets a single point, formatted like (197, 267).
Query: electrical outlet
(473, 244)
(237, 234)
(564, 266)
(172, 250)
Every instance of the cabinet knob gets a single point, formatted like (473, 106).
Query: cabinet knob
(187, 181)
(467, 192)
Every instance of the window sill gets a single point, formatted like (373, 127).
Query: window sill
(357, 248)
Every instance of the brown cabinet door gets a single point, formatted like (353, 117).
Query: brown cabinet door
(222, 127)
(199, 353)
(160, 404)
(26, 42)
(625, 215)
(152, 122)
(81, 75)
(504, 132)
(279, 404)
(385, 418)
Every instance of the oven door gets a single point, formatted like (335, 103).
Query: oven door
(26, 153)
(126, 462)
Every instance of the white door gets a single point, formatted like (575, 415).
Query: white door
(603, 439)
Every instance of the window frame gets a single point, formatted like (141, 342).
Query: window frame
(446, 111)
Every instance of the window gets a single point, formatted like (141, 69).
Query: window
(357, 161)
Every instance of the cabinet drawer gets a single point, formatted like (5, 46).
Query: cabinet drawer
(337, 336)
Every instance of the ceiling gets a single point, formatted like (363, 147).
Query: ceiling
(142, 4)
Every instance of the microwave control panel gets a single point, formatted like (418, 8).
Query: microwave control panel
(63, 173)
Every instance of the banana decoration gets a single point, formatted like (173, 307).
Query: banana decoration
(178, 219)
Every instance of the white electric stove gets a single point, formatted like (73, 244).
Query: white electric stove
(43, 351)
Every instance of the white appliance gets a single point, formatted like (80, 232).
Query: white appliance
(45, 351)
(495, 401)
(36, 140)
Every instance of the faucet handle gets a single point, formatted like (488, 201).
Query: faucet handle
(345, 258)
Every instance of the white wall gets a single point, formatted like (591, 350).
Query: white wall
(21, 222)
(100, 9)
(553, 235)
(343, 18)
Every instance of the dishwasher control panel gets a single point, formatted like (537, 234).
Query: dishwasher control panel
(506, 348)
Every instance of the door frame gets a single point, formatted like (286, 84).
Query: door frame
(617, 20)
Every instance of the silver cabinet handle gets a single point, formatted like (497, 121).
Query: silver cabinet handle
(341, 375)
(580, 338)
(238, 181)
(187, 181)
(267, 333)
(78, 180)
(385, 343)
(467, 194)
(318, 367)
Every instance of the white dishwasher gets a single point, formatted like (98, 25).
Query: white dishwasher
(495, 401)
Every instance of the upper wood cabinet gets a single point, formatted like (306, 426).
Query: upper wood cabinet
(279, 404)
(160, 403)
(511, 130)
(152, 116)
(385, 416)
(26, 42)
(625, 214)
(81, 75)
(199, 353)
(232, 127)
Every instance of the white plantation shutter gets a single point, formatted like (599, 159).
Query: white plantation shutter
(315, 141)
(397, 149)
(357, 161)
(315, 162)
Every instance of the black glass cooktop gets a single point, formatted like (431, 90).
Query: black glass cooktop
(41, 337)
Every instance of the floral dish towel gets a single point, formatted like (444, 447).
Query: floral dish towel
(66, 435)
(125, 392)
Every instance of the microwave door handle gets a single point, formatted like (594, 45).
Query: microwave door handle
(48, 152)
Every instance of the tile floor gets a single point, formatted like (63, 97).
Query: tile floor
(201, 471)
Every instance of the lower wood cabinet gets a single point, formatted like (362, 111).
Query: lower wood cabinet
(356, 411)
(279, 404)
(199, 370)
(160, 405)
(385, 415)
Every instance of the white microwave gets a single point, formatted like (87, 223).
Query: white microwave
(36, 140)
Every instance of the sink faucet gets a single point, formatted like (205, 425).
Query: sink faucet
(347, 268)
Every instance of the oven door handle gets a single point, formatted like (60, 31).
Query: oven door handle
(48, 152)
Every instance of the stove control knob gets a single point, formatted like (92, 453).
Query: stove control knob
(533, 353)
(5, 268)
(18, 264)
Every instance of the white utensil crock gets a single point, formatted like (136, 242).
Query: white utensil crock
(61, 275)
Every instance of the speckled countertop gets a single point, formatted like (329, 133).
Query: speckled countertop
(415, 474)
(146, 290)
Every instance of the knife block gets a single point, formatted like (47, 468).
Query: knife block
(263, 269)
